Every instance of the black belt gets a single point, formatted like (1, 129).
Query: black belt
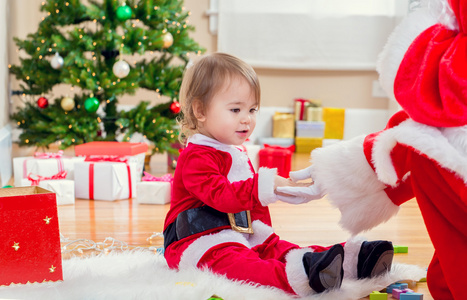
(200, 219)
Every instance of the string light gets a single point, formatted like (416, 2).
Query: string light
(108, 245)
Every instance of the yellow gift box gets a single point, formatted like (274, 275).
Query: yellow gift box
(283, 125)
(334, 119)
(307, 144)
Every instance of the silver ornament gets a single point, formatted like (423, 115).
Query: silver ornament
(121, 69)
(57, 61)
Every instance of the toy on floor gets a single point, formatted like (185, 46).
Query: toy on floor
(378, 296)
(411, 296)
(401, 249)
(422, 153)
(396, 293)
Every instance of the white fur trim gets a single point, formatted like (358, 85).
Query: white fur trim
(266, 193)
(343, 173)
(198, 248)
(261, 233)
(240, 169)
(447, 147)
(295, 271)
(351, 251)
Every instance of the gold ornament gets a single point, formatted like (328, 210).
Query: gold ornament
(47, 220)
(168, 40)
(67, 103)
(52, 269)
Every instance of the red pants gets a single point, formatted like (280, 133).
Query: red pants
(263, 264)
(442, 197)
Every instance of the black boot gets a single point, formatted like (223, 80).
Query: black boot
(374, 259)
(324, 269)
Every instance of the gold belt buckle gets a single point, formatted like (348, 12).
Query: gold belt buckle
(237, 228)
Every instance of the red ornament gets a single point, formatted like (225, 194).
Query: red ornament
(175, 107)
(42, 102)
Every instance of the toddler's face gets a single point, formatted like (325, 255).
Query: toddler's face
(230, 116)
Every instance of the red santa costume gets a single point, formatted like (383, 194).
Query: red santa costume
(221, 176)
(422, 153)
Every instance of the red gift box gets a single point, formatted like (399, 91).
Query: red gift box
(134, 152)
(277, 157)
(110, 148)
(29, 236)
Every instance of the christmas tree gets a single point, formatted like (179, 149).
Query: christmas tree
(102, 50)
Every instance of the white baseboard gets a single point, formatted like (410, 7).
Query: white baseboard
(5, 155)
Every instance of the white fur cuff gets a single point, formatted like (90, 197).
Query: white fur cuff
(266, 179)
(342, 172)
(352, 249)
(296, 274)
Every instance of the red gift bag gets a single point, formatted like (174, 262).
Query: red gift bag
(277, 157)
(29, 237)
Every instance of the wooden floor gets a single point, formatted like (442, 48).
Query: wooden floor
(307, 224)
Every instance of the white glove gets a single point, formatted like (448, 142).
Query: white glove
(300, 174)
(299, 195)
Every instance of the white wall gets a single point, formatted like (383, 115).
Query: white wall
(5, 128)
(4, 90)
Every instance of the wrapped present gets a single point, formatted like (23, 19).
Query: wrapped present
(307, 144)
(300, 108)
(64, 189)
(29, 236)
(314, 114)
(154, 190)
(133, 152)
(277, 157)
(43, 164)
(310, 129)
(283, 142)
(105, 178)
(283, 125)
(334, 119)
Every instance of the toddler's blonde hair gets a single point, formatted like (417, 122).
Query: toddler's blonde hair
(204, 79)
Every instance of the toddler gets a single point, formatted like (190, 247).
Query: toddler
(219, 217)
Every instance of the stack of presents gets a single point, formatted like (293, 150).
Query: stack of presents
(309, 127)
(29, 239)
(98, 171)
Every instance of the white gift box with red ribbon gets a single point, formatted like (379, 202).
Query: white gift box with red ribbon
(43, 164)
(133, 152)
(154, 190)
(105, 178)
(63, 189)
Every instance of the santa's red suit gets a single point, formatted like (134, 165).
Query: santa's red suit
(368, 178)
(423, 151)
(221, 176)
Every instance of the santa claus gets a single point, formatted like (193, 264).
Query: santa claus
(421, 154)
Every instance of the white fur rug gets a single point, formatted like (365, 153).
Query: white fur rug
(145, 275)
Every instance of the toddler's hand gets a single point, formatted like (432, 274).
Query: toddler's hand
(280, 181)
